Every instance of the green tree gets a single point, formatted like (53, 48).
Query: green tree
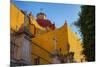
(86, 24)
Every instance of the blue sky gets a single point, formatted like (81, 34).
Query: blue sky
(57, 13)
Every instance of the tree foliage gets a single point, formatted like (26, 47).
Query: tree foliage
(86, 24)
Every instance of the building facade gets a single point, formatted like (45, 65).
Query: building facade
(37, 41)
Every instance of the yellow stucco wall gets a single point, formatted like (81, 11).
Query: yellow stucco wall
(39, 52)
(16, 17)
(46, 41)
(75, 45)
(64, 36)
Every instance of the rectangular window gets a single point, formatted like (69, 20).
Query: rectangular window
(37, 61)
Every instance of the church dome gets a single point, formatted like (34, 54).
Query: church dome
(42, 21)
(41, 15)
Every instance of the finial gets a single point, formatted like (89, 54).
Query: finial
(65, 21)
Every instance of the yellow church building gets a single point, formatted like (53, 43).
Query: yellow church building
(36, 41)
